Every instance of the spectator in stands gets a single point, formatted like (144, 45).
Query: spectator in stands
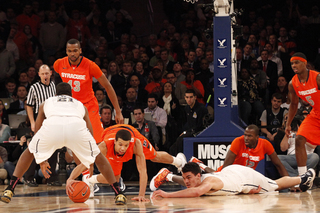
(147, 128)
(52, 36)
(156, 85)
(272, 118)
(196, 85)
(178, 88)
(3, 160)
(35, 44)
(122, 24)
(139, 69)
(273, 58)
(3, 114)
(10, 87)
(270, 68)
(113, 69)
(192, 60)
(276, 49)
(142, 94)
(165, 57)
(282, 88)
(106, 116)
(158, 115)
(289, 46)
(156, 57)
(120, 81)
(101, 98)
(23, 80)
(150, 50)
(248, 96)
(4, 130)
(255, 48)
(193, 120)
(18, 105)
(29, 18)
(169, 47)
(199, 54)
(177, 69)
(259, 76)
(130, 102)
(209, 57)
(32, 75)
(8, 66)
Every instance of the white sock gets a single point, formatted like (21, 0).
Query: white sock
(176, 161)
(93, 179)
(302, 170)
(169, 177)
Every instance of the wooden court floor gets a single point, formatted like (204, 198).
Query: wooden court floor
(54, 199)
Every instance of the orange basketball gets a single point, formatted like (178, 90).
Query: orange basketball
(81, 192)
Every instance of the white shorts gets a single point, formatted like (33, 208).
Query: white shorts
(57, 132)
(241, 179)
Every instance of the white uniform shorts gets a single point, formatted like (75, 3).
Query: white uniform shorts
(240, 179)
(57, 132)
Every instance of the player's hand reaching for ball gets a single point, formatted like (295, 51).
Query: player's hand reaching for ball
(45, 169)
(69, 188)
(159, 194)
(140, 198)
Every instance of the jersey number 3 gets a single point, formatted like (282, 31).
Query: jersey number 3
(75, 85)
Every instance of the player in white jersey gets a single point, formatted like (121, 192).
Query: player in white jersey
(233, 179)
(63, 121)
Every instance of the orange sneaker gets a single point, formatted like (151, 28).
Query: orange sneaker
(199, 162)
(159, 179)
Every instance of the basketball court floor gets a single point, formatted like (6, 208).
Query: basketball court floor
(54, 199)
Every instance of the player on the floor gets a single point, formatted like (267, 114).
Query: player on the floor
(63, 121)
(78, 71)
(121, 141)
(233, 179)
(305, 84)
(248, 150)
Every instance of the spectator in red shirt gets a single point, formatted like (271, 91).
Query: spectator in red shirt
(29, 18)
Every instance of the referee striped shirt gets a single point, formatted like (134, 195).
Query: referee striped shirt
(38, 93)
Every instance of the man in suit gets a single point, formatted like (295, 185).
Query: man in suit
(164, 55)
(18, 105)
(271, 69)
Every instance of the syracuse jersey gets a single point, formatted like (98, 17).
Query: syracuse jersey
(309, 91)
(79, 77)
(247, 156)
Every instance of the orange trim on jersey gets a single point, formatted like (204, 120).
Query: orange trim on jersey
(298, 59)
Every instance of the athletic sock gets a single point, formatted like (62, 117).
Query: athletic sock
(13, 182)
(302, 170)
(93, 179)
(169, 177)
(116, 188)
(176, 161)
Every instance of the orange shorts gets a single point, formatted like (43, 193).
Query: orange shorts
(93, 109)
(148, 150)
(310, 129)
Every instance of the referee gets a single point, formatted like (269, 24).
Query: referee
(38, 93)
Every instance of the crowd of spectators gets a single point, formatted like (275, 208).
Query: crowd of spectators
(154, 71)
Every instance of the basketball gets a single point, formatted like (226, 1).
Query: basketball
(81, 192)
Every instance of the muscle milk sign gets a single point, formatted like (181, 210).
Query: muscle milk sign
(211, 154)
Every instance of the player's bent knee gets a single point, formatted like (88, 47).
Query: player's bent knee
(300, 140)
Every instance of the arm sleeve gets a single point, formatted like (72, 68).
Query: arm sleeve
(268, 147)
(235, 146)
(162, 118)
(95, 71)
(263, 117)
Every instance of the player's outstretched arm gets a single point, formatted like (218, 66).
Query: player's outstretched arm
(74, 174)
(142, 168)
(112, 96)
(206, 185)
(229, 159)
(280, 167)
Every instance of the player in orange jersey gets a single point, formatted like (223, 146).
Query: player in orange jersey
(78, 71)
(248, 150)
(121, 141)
(304, 84)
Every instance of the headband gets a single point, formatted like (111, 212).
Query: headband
(298, 58)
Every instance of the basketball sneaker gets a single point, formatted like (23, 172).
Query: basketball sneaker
(307, 180)
(6, 196)
(121, 184)
(120, 199)
(183, 159)
(199, 162)
(93, 187)
(159, 179)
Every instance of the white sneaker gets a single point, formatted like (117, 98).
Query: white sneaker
(85, 178)
(95, 187)
(121, 184)
(183, 158)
